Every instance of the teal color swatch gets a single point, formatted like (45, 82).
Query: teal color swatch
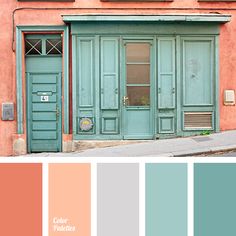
(166, 200)
(214, 199)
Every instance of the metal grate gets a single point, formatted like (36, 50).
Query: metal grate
(53, 46)
(33, 47)
(198, 120)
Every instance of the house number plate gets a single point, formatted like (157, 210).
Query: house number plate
(44, 99)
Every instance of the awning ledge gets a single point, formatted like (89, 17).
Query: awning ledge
(220, 18)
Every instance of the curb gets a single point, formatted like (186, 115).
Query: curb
(212, 150)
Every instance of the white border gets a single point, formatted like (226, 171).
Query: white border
(190, 199)
(93, 197)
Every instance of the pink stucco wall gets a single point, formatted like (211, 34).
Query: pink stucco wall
(53, 17)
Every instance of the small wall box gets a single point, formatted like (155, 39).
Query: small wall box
(8, 111)
(229, 97)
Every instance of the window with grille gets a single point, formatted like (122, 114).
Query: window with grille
(53, 46)
(33, 47)
(43, 45)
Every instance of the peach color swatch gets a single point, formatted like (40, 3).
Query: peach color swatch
(69, 199)
(20, 199)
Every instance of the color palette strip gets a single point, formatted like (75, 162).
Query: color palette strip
(118, 202)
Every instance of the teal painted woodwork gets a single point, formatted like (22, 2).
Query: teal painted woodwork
(137, 120)
(109, 73)
(166, 73)
(84, 68)
(155, 108)
(43, 117)
(214, 199)
(44, 108)
(86, 72)
(166, 199)
(20, 31)
(197, 72)
(166, 125)
(149, 18)
(110, 125)
(137, 123)
(143, 29)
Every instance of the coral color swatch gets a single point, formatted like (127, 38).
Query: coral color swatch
(69, 199)
(20, 199)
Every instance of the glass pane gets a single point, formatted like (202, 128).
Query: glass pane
(138, 96)
(53, 46)
(138, 52)
(138, 74)
(33, 46)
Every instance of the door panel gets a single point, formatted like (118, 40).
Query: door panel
(109, 73)
(166, 73)
(198, 72)
(137, 110)
(44, 111)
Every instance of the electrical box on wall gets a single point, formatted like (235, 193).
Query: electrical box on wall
(229, 97)
(8, 111)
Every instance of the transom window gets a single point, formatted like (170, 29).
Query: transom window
(33, 47)
(43, 45)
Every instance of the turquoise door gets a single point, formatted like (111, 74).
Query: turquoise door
(137, 100)
(43, 74)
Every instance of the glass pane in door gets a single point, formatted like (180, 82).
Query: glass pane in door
(138, 96)
(137, 74)
(137, 52)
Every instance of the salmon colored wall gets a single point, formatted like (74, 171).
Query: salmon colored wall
(53, 17)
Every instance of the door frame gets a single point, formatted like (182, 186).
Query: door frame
(21, 31)
(152, 42)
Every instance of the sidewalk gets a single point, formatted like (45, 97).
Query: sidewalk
(177, 147)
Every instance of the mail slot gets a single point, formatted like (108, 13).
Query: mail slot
(8, 111)
(44, 93)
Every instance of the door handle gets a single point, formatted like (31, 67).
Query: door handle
(125, 100)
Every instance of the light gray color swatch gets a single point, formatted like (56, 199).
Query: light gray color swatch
(118, 199)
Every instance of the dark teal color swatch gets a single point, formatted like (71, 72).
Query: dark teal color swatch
(166, 200)
(215, 199)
